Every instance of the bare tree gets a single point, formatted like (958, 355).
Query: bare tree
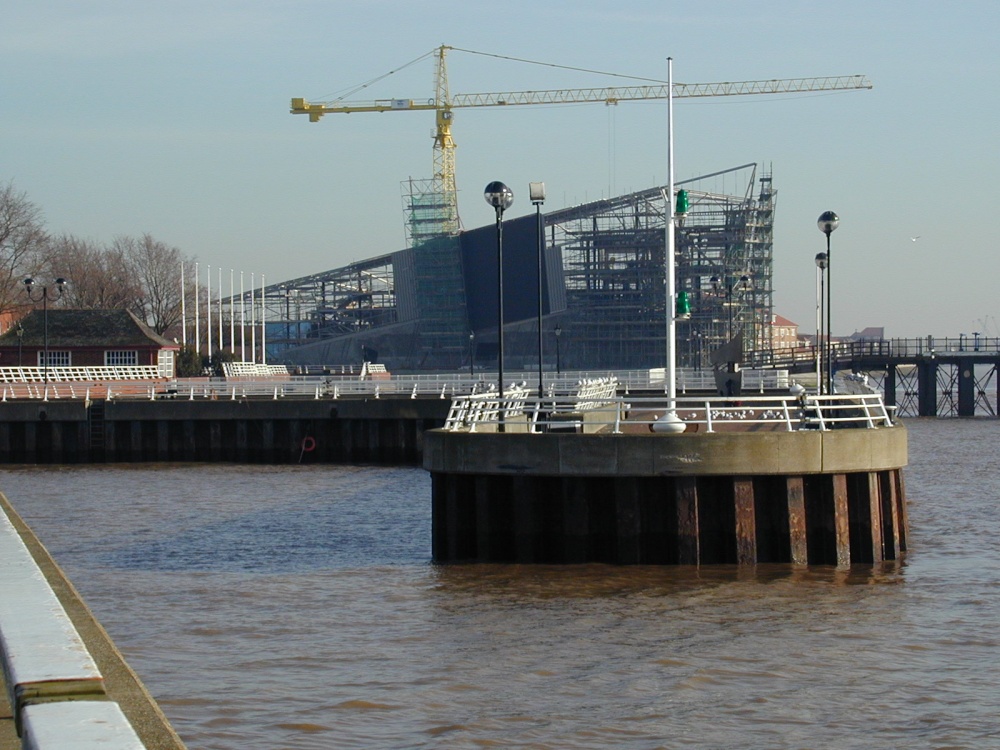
(156, 266)
(101, 278)
(22, 238)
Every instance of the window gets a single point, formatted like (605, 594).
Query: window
(121, 358)
(56, 359)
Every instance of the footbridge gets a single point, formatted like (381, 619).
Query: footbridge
(926, 377)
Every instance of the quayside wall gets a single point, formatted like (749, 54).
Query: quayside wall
(809, 496)
(346, 430)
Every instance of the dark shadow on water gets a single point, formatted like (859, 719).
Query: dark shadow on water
(271, 541)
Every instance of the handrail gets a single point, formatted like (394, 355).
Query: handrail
(785, 413)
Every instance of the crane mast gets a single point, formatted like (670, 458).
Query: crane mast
(442, 198)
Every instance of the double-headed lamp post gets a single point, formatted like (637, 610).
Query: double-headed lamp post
(500, 197)
(821, 263)
(29, 285)
(827, 222)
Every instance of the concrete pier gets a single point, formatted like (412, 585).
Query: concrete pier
(122, 685)
(358, 430)
(830, 497)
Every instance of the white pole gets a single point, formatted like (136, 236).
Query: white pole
(253, 317)
(208, 309)
(197, 322)
(669, 422)
(263, 327)
(221, 339)
(243, 323)
(671, 281)
(232, 314)
(184, 325)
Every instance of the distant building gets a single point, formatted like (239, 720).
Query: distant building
(434, 306)
(784, 333)
(868, 334)
(86, 338)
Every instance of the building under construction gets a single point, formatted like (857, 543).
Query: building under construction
(434, 305)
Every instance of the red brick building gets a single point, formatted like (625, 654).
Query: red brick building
(86, 338)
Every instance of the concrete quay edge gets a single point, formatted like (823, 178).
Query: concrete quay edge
(121, 682)
(687, 454)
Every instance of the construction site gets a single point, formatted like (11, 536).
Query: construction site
(588, 281)
(434, 306)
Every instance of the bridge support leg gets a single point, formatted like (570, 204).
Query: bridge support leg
(927, 388)
(966, 389)
(889, 397)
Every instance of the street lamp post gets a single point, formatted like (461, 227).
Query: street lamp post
(29, 284)
(536, 191)
(500, 197)
(472, 353)
(821, 262)
(558, 333)
(20, 341)
(827, 222)
(741, 285)
(975, 344)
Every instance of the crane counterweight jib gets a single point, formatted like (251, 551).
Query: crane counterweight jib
(443, 103)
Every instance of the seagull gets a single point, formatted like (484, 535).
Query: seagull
(914, 239)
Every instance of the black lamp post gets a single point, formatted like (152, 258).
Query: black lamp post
(29, 284)
(500, 197)
(20, 341)
(558, 333)
(742, 284)
(536, 191)
(472, 352)
(827, 222)
(821, 264)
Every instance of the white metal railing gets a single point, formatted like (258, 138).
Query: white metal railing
(116, 383)
(74, 374)
(640, 413)
(252, 370)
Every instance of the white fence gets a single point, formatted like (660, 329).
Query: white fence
(86, 383)
(616, 415)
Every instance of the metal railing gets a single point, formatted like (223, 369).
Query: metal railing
(639, 413)
(845, 351)
(440, 385)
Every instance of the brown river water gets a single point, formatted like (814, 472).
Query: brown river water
(296, 607)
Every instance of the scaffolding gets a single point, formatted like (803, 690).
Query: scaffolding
(606, 286)
(613, 264)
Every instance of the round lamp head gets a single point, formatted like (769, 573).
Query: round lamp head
(827, 222)
(821, 260)
(498, 195)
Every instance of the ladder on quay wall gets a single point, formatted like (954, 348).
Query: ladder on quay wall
(95, 418)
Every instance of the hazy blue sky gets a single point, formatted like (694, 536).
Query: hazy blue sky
(172, 118)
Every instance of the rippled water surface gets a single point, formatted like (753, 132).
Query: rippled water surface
(296, 607)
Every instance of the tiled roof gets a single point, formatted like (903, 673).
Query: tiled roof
(81, 328)
(780, 320)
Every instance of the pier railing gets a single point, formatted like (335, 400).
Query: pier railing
(122, 383)
(615, 414)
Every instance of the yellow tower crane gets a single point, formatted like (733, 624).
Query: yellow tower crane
(443, 201)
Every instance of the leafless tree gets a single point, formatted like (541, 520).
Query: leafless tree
(100, 277)
(156, 267)
(22, 239)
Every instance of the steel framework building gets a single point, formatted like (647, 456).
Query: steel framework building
(430, 307)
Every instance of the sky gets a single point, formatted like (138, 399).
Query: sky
(172, 118)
